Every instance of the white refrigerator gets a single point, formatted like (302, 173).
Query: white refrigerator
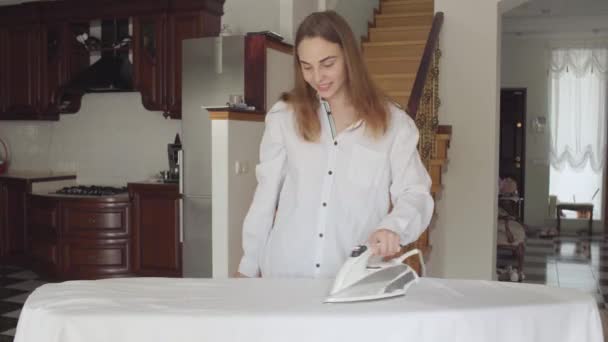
(212, 69)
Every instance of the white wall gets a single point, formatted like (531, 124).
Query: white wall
(358, 13)
(232, 193)
(112, 140)
(464, 239)
(281, 16)
(525, 65)
(251, 16)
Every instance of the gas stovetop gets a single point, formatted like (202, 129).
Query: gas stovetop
(92, 190)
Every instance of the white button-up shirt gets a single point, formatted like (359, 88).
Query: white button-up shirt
(331, 194)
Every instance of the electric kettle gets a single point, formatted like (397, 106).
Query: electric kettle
(4, 158)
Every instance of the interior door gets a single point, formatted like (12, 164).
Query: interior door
(513, 138)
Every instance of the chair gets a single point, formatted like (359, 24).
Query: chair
(511, 236)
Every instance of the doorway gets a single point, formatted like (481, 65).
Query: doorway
(512, 155)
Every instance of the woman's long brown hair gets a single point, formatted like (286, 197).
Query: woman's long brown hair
(366, 97)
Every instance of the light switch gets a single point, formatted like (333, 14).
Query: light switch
(241, 167)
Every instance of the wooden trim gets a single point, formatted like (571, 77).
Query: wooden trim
(425, 65)
(279, 46)
(255, 71)
(240, 116)
(256, 45)
(444, 129)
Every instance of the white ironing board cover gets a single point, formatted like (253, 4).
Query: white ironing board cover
(183, 310)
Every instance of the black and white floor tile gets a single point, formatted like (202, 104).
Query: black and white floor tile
(570, 261)
(16, 284)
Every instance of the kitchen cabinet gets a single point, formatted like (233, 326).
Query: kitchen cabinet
(157, 247)
(38, 53)
(12, 218)
(80, 237)
(43, 234)
(158, 55)
(14, 188)
(20, 68)
(62, 58)
(150, 59)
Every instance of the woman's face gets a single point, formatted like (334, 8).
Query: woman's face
(323, 67)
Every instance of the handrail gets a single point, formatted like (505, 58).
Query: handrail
(425, 64)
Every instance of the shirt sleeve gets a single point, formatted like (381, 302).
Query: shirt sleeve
(270, 173)
(410, 187)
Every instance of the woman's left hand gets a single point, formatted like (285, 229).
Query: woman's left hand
(384, 242)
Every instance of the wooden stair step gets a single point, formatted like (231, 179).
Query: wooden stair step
(396, 81)
(438, 162)
(396, 33)
(401, 49)
(436, 188)
(435, 169)
(442, 141)
(406, 7)
(393, 64)
(403, 19)
(401, 97)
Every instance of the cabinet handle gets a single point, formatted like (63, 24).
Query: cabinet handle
(91, 220)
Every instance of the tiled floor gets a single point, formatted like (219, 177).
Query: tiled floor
(15, 285)
(571, 261)
(565, 261)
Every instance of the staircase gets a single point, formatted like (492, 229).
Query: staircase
(401, 52)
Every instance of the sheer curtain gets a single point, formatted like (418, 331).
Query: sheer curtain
(577, 120)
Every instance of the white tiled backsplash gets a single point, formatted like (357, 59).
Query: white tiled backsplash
(112, 140)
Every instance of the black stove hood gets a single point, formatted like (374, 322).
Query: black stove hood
(109, 74)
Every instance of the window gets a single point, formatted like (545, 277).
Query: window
(577, 120)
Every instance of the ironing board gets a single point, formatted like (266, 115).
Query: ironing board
(163, 309)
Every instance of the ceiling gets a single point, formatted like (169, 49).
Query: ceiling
(559, 8)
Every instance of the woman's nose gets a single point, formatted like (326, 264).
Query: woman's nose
(318, 76)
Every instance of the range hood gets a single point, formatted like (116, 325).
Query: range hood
(111, 73)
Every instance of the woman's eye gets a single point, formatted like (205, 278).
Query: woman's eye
(328, 65)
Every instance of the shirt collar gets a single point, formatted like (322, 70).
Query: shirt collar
(352, 126)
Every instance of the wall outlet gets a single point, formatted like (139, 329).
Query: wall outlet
(241, 167)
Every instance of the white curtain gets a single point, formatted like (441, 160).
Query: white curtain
(577, 108)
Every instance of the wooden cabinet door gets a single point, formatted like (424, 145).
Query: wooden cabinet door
(54, 71)
(182, 25)
(149, 57)
(3, 72)
(156, 236)
(23, 71)
(3, 219)
(12, 196)
(43, 234)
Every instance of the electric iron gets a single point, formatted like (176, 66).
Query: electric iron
(360, 280)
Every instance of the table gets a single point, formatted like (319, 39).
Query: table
(164, 309)
(579, 207)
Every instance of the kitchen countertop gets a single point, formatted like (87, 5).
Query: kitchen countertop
(38, 176)
(123, 197)
(155, 182)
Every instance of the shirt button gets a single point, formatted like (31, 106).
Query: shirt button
(335, 143)
(324, 204)
(318, 265)
(320, 235)
(330, 173)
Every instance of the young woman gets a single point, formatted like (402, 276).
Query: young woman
(338, 165)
